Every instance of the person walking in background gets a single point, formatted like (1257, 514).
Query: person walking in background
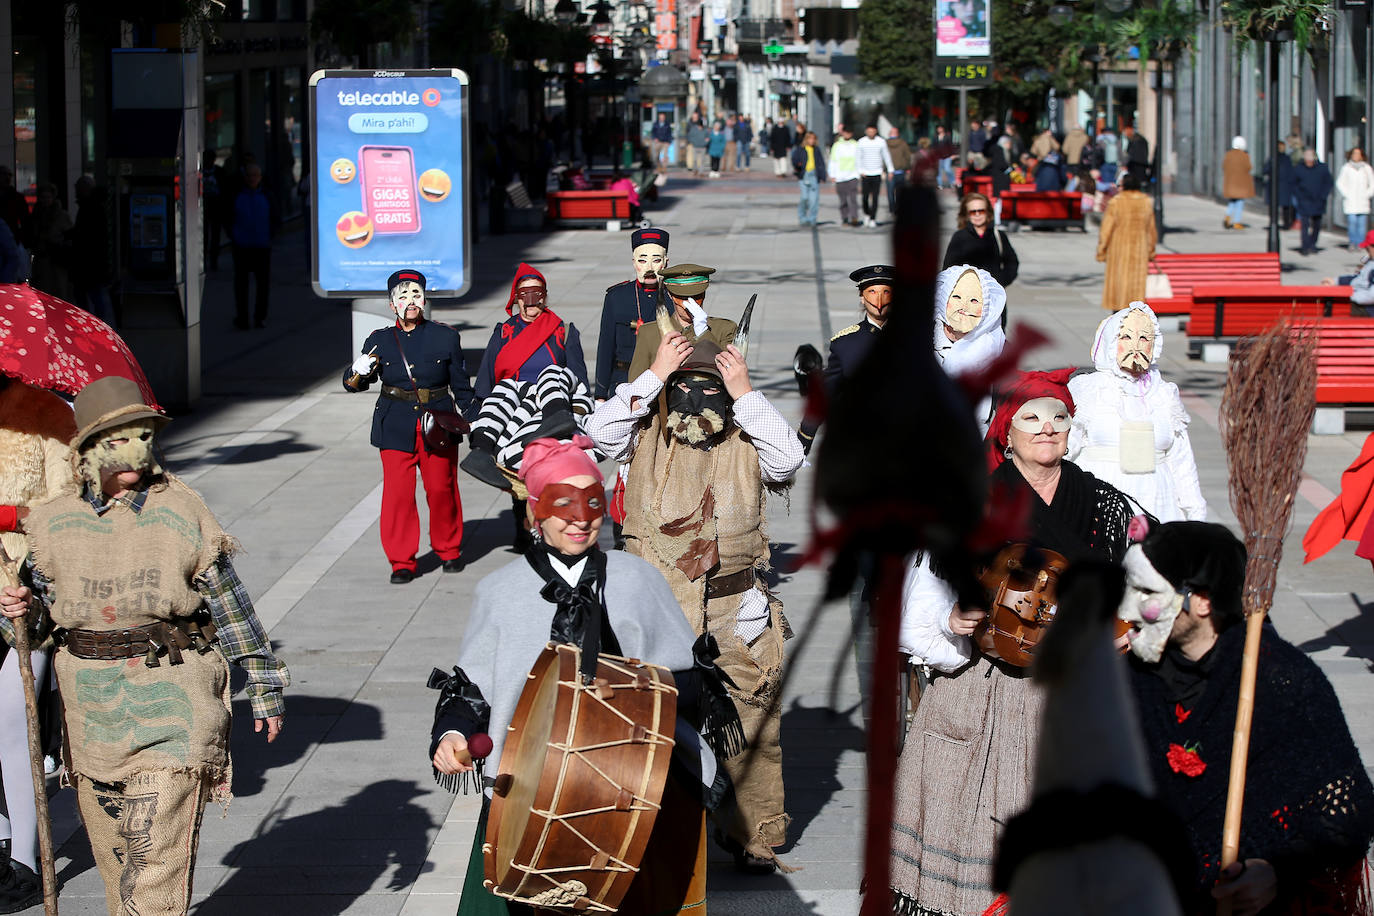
(976, 243)
(798, 133)
(1137, 156)
(874, 165)
(945, 151)
(1126, 243)
(1108, 154)
(14, 209)
(731, 145)
(253, 223)
(779, 142)
(661, 138)
(1237, 184)
(1356, 186)
(90, 271)
(809, 166)
(977, 137)
(715, 147)
(1043, 144)
(50, 227)
(11, 255)
(1284, 183)
(899, 152)
(1311, 186)
(844, 172)
(744, 139)
(698, 138)
(1075, 142)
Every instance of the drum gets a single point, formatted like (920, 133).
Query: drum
(580, 782)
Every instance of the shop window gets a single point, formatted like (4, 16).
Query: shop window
(221, 115)
(25, 115)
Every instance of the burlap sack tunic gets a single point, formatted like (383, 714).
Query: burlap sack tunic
(126, 569)
(678, 501)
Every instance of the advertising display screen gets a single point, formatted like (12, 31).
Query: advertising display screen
(389, 181)
(963, 28)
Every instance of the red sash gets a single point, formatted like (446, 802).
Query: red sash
(522, 346)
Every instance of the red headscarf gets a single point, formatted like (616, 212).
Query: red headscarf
(1027, 387)
(522, 273)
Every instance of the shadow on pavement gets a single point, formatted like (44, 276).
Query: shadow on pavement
(816, 738)
(311, 721)
(338, 854)
(1355, 636)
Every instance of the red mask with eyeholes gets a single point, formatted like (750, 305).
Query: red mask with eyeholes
(570, 503)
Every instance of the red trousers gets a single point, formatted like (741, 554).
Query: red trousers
(400, 520)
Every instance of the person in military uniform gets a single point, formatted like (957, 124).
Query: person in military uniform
(685, 288)
(851, 346)
(420, 365)
(628, 305)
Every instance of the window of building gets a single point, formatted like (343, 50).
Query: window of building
(221, 115)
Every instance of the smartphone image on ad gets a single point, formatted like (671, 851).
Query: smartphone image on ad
(387, 177)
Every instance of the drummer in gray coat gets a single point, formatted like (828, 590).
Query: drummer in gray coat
(566, 589)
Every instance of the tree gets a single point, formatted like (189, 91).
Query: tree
(896, 41)
(354, 26)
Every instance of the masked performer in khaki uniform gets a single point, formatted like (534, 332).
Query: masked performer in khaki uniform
(135, 574)
(684, 287)
(704, 448)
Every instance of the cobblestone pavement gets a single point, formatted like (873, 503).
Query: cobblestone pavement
(341, 814)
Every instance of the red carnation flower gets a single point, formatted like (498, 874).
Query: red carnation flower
(1186, 761)
(1181, 714)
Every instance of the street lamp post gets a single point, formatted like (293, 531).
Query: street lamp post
(1159, 144)
(1273, 241)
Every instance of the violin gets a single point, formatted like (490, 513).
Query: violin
(1022, 585)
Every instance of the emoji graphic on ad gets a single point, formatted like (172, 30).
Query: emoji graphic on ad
(354, 229)
(434, 185)
(342, 170)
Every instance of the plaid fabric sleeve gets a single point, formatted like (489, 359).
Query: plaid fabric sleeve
(41, 628)
(242, 639)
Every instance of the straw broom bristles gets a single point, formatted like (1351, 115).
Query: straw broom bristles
(1266, 411)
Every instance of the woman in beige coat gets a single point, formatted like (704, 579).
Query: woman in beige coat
(1126, 243)
(1237, 183)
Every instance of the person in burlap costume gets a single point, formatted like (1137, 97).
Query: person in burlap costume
(132, 577)
(704, 450)
(35, 465)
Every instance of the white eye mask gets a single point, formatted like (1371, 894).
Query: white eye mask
(1043, 410)
(1151, 606)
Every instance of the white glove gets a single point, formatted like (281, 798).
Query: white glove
(699, 320)
(363, 364)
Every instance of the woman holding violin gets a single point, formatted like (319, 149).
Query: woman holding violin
(968, 759)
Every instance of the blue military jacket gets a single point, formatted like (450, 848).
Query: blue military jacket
(848, 349)
(436, 357)
(627, 306)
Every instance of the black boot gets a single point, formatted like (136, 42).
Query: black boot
(20, 888)
(480, 461)
(619, 531)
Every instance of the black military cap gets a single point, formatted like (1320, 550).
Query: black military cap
(650, 236)
(874, 273)
(406, 275)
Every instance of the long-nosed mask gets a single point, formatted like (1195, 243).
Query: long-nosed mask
(1151, 605)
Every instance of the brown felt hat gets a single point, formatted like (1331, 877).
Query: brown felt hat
(108, 402)
(703, 359)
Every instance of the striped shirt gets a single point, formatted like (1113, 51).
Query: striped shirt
(874, 157)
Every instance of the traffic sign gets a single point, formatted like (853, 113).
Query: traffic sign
(773, 49)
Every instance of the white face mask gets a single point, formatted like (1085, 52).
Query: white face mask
(408, 300)
(964, 308)
(1151, 606)
(649, 262)
(1035, 413)
(1135, 343)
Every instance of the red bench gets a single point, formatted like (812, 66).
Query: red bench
(1185, 271)
(1345, 369)
(1236, 310)
(587, 208)
(979, 184)
(1053, 209)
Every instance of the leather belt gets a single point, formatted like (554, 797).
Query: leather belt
(150, 642)
(737, 583)
(422, 395)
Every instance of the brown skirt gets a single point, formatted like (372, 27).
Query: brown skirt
(966, 769)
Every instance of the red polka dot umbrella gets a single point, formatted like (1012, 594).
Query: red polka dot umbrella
(49, 343)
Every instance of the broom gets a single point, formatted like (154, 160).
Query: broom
(46, 864)
(1266, 411)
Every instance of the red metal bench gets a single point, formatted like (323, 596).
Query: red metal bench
(981, 184)
(1185, 271)
(1345, 369)
(587, 208)
(1224, 312)
(1053, 209)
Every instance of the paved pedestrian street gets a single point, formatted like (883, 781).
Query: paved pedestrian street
(341, 815)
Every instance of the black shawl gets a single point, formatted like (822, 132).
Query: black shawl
(1087, 519)
(1309, 805)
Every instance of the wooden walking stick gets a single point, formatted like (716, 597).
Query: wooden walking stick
(46, 862)
(1266, 412)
